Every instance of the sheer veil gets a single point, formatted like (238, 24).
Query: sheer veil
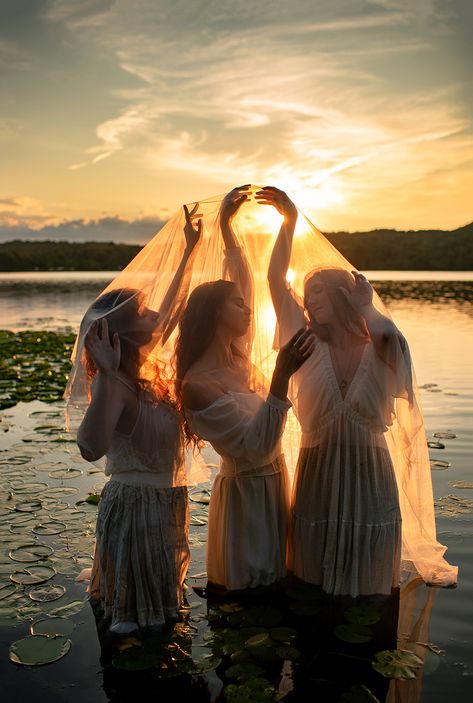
(256, 227)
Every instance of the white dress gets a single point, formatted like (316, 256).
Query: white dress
(345, 524)
(142, 552)
(248, 511)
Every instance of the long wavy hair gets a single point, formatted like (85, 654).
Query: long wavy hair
(133, 358)
(336, 281)
(197, 329)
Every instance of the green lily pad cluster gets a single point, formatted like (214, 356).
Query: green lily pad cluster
(33, 366)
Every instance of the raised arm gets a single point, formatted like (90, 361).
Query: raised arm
(281, 254)
(235, 264)
(175, 298)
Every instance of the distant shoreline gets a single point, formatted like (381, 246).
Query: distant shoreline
(379, 250)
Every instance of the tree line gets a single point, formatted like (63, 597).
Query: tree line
(425, 250)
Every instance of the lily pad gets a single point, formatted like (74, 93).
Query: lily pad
(286, 651)
(29, 487)
(445, 435)
(36, 650)
(460, 484)
(43, 594)
(283, 634)
(52, 627)
(31, 552)
(200, 497)
(244, 671)
(439, 465)
(397, 664)
(436, 445)
(353, 633)
(32, 575)
(262, 616)
(65, 473)
(7, 590)
(68, 609)
(362, 615)
(28, 506)
(52, 527)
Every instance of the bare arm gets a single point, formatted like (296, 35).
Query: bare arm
(281, 254)
(177, 291)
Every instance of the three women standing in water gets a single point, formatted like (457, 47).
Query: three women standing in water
(345, 367)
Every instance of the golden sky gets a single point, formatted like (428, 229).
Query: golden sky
(360, 109)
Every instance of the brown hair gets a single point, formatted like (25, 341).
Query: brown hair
(336, 280)
(197, 329)
(133, 360)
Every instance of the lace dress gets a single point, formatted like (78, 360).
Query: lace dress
(345, 523)
(142, 552)
(249, 506)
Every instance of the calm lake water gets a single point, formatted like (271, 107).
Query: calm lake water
(434, 310)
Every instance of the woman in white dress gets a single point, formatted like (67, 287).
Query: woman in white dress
(223, 404)
(345, 522)
(141, 552)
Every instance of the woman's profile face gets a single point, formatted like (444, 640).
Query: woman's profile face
(318, 302)
(234, 314)
(136, 322)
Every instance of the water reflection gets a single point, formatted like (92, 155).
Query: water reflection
(293, 642)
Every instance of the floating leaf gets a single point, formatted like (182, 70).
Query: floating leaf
(244, 671)
(353, 633)
(32, 575)
(445, 435)
(439, 465)
(436, 445)
(93, 499)
(29, 487)
(362, 615)
(36, 650)
(285, 651)
(283, 634)
(397, 664)
(31, 552)
(200, 497)
(52, 627)
(52, 527)
(65, 473)
(460, 484)
(43, 594)
(263, 616)
(28, 506)
(69, 609)
(452, 505)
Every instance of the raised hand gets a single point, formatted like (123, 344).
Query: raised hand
(362, 294)
(231, 203)
(269, 195)
(293, 354)
(191, 233)
(105, 356)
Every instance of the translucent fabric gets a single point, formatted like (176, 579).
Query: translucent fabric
(400, 421)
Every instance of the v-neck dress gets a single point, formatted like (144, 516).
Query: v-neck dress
(345, 520)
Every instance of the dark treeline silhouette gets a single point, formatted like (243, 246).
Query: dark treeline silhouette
(424, 250)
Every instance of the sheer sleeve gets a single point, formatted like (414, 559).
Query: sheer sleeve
(237, 270)
(237, 433)
(291, 318)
